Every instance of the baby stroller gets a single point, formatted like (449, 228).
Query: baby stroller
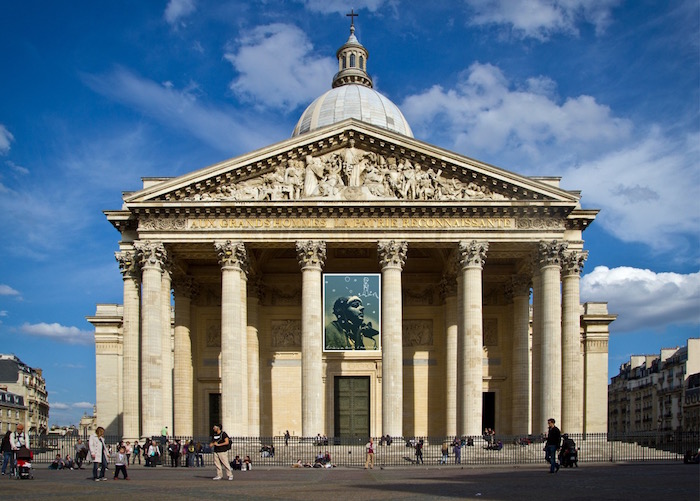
(23, 463)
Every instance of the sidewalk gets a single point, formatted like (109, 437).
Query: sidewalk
(666, 480)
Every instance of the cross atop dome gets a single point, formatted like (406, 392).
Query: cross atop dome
(352, 15)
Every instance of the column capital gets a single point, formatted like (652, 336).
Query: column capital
(311, 253)
(572, 262)
(128, 263)
(472, 254)
(392, 254)
(550, 253)
(518, 285)
(231, 254)
(186, 286)
(151, 254)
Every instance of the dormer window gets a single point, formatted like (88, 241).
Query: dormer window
(352, 60)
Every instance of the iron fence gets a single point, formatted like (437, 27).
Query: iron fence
(401, 451)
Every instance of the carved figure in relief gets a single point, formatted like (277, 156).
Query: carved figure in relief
(353, 165)
(314, 172)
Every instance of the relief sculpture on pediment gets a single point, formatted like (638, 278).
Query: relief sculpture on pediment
(350, 174)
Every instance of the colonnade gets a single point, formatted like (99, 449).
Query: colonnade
(547, 384)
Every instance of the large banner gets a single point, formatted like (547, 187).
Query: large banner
(352, 311)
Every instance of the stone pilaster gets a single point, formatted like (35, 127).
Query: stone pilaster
(519, 290)
(312, 255)
(471, 352)
(596, 331)
(185, 289)
(392, 257)
(153, 257)
(232, 257)
(128, 267)
(449, 294)
(550, 257)
(572, 358)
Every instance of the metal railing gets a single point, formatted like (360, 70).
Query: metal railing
(346, 452)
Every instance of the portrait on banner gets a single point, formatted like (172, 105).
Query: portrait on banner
(352, 311)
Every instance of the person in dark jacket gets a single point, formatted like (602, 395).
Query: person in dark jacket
(552, 445)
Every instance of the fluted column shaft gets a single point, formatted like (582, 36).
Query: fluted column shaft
(253, 361)
(572, 358)
(312, 255)
(472, 255)
(448, 290)
(550, 369)
(392, 256)
(167, 348)
(183, 371)
(130, 346)
(153, 258)
(243, 382)
(539, 423)
(232, 256)
(520, 368)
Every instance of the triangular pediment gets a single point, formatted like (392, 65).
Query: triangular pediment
(351, 161)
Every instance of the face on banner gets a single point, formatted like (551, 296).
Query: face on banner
(352, 311)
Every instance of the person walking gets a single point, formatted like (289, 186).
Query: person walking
(369, 448)
(6, 452)
(98, 452)
(81, 452)
(445, 452)
(552, 445)
(419, 452)
(122, 459)
(458, 451)
(136, 452)
(221, 444)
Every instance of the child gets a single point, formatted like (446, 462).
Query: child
(120, 463)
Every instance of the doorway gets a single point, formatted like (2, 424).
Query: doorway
(351, 406)
(488, 415)
(214, 409)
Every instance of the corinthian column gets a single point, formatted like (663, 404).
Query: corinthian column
(448, 291)
(167, 345)
(572, 358)
(232, 258)
(130, 346)
(519, 290)
(185, 289)
(471, 352)
(312, 255)
(392, 256)
(153, 257)
(550, 255)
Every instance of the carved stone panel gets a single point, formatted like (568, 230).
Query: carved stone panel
(418, 333)
(490, 332)
(286, 334)
(213, 333)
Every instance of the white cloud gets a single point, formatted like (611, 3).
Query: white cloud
(486, 114)
(83, 405)
(648, 188)
(58, 406)
(643, 298)
(542, 18)
(6, 138)
(222, 128)
(6, 290)
(58, 332)
(278, 68)
(3, 313)
(178, 9)
(18, 169)
(342, 6)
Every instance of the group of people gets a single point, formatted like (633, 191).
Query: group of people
(553, 444)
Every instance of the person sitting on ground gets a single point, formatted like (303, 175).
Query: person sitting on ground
(247, 464)
(57, 463)
(237, 464)
(298, 464)
(68, 462)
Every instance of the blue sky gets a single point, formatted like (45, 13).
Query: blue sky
(94, 95)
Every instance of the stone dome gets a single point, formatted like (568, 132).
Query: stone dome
(352, 96)
(352, 101)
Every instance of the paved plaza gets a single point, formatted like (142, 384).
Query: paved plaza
(672, 481)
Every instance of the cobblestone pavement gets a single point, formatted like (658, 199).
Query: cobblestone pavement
(662, 481)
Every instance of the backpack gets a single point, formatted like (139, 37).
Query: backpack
(190, 448)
